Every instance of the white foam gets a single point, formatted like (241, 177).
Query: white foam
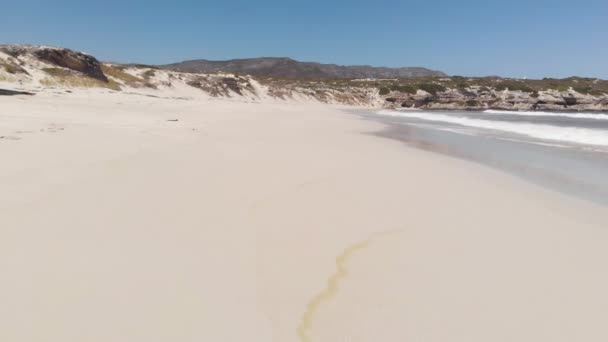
(575, 135)
(596, 116)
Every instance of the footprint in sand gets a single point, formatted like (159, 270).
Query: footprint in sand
(8, 137)
(12, 137)
(53, 128)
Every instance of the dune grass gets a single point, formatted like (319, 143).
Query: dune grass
(11, 66)
(129, 80)
(11, 69)
(58, 72)
(67, 78)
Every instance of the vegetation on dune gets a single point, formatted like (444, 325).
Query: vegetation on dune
(141, 66)
(58, 72)
(513, 86)
(11, 67)
(434, 85)
(404, 88)
(4, 78)
(79, 82)
(586, 89)
(149, 74)
(216, 86)
(117, 72)
(432, 88)
(69, 78)
(591, 86)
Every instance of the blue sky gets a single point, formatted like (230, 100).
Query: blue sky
(468, 37)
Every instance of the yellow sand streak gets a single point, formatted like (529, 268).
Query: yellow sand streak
(331, 290)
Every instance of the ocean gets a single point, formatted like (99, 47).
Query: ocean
(567, 152)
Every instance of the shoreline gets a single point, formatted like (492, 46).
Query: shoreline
(421, 138)
(119, 223)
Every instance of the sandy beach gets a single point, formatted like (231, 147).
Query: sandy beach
(133, 218)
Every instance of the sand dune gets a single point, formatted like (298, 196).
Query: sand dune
(275, 222)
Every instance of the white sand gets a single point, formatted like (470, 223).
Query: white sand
(275, 222)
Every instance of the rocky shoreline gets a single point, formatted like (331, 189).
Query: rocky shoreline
(476, 100)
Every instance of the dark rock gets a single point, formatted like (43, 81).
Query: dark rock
(73, 60)
(6, 92)
(570, 101)
(422, 103)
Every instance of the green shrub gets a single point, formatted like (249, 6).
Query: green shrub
(461, 85)
(404, 88)
(11, 66)
(582, 90)
(118, 73)
(67, 78)
(588, 90)
(513, 86)
(11, 69)
(431, 88)
(149, 74)
(384, 91)
(58, 72)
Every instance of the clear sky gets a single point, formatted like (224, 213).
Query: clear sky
(517, 38)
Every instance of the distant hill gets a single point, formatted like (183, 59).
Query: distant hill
(288, 68)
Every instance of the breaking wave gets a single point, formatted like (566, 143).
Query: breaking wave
(575, 135)
(595, 116)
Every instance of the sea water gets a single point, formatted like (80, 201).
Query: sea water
(567, 152)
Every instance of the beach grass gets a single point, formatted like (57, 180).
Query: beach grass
(119, 73)
(67, 78)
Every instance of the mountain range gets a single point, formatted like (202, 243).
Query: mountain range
(287, 68)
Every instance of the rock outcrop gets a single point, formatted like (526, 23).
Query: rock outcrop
(65, 58)
(461, 93)
(483, 98)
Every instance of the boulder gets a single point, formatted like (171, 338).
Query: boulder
(570, 100)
